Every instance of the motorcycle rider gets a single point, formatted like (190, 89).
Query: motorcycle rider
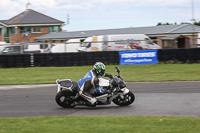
(91, 81)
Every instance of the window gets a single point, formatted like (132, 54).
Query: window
(148, 41)
(28, 29)
(16, 49)
(25, 46)
(13, 30)
(36, 29)
(12, 49)
(154, 39)
(55, 41)
(6, 39)
(43, 46)
(25, 29)
(85, 45)
(0, 31)
(22, 29)
(54, 28)
(5, 32)
(50, 29)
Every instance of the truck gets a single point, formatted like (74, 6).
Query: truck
(117, 42)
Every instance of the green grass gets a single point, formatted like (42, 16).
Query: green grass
(130, 73)
(100, 124)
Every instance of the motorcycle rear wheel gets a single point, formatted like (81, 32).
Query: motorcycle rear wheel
(65, 100)
(127, 99)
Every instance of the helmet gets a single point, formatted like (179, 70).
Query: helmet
(99, 68)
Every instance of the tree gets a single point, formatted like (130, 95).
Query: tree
(195, 23)
(165, 23)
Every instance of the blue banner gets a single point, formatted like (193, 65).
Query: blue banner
(139, 57)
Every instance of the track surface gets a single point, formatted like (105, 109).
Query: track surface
(156, 99)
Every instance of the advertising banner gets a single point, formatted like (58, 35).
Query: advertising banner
(139, 57)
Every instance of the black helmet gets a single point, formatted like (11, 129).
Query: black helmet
(99, 68)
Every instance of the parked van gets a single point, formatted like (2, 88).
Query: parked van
(17, 49)
(117, 42)
(70, 46)
(32, 46)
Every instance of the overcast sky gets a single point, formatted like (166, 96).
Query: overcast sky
(106, 14)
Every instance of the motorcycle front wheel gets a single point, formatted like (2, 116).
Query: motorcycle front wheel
(65, 100)
(125, 100)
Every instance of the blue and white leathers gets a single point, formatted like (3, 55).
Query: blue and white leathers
(88, 77)
(100, 90)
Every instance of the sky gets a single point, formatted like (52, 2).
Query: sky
(106, 14)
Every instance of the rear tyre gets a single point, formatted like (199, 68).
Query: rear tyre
(65, 100)
(125, 100)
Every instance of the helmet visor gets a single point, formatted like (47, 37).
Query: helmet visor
(101, 73)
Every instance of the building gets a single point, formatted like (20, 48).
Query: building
(167, 36)
(28, 25)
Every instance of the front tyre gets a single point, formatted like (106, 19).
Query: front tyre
(125, 100)
(65, 100)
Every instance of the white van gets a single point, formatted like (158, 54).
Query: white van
(70, 46)
(118, 42)
(32, 46)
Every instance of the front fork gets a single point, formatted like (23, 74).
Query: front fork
(57, 82)
(58, 89)
(121, 94)
(125, 90)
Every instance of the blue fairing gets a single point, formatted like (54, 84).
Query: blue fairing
(85, 78)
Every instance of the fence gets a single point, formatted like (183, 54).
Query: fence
(76, 59)
(7, 61)
(191, 55)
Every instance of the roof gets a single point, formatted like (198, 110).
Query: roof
(31, 17)
(152, 30)
(173, 37)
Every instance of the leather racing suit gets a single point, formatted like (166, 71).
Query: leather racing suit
(90, 81)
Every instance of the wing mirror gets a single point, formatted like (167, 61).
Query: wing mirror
(117, 70)
(89, 45)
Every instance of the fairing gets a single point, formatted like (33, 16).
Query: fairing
(103, 82)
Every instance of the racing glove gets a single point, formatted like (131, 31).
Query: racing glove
(108, 75)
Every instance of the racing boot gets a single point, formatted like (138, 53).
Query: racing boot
(92, 101)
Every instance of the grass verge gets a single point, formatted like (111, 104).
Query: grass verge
(100, 124)
(130, 73)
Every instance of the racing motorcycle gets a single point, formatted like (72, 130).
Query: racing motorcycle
(115, 91)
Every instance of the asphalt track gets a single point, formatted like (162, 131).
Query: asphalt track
(152, 99)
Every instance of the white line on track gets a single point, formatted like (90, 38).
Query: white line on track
(13, 87)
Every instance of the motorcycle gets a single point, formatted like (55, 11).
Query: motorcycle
(115, 91)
